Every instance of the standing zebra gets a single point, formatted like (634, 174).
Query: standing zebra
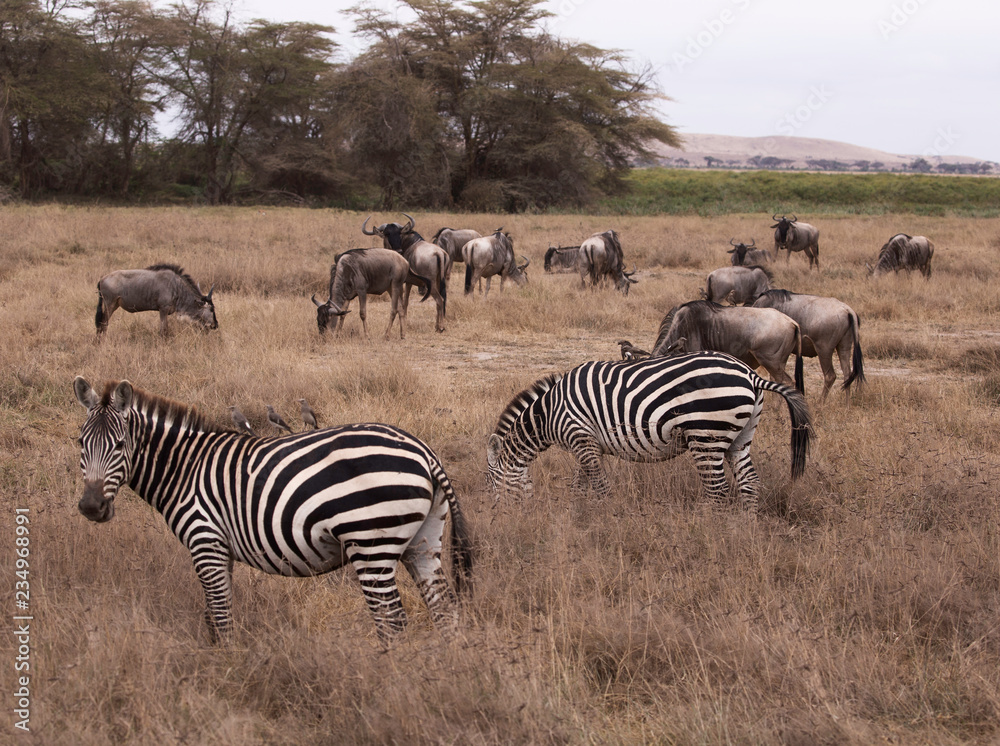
(299, 505)
(707, 403)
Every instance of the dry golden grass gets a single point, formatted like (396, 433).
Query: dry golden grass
(862, 606)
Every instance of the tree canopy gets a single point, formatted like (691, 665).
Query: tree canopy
(468, 104)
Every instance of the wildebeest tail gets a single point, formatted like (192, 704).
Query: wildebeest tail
(414, 279)
(800, 381)
(461, 539)
(798, 410)
(100, 317)
(442, 278)
(857, 364)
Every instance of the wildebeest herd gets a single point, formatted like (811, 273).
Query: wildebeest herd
(372, 495)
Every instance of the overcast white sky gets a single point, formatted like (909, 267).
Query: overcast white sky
(904, 76)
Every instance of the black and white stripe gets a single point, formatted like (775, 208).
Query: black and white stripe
(298, 505)
(707, 403)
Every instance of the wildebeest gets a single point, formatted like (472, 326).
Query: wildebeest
(791, 235)
(162, 287)
(359, 273)
(600, 256)
(561, 258)
(904, 252)
(827, 324)
(426, 260)
(492, 255)
(744, 283)
(745, 255)
(757, 336)
(452, 241)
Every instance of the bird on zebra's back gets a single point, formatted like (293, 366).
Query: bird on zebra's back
(308, 415)
(375, 495)
(706, 403)
(240, 421)
(630, 352)
(275, 419)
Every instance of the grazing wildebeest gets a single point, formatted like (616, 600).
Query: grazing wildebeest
(745, 255)
(791, 235)
(904, 252)
(492, 255)
(561, 258)
(757, 336)
(600, 256)
(744, 283)
(161, 287)
(426, 260)
(452, 241)
(359, 273)
(648, 410)
(827, 324)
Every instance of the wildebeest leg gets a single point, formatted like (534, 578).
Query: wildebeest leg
(814, 256)
(164, 313)
(439, 302)
(489, 282)
(778, 374)
(378, 584)
(363, 312)
(395, 295)
(104, 311)
(829, 374)
(422, 560)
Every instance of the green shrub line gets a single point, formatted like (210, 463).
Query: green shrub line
(655, 191)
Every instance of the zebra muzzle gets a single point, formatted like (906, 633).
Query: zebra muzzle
(94, 505)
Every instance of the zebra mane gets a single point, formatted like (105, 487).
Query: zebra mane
(524, 400)
(179, 272)
(161, 408)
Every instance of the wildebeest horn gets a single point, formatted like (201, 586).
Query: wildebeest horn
(753, 242)
(629, 274)
(210, 291)
(794, 217)
(316, 302)
(732, 242)
(775, 217)
(527, 261)
(364, 227)
(410, 226)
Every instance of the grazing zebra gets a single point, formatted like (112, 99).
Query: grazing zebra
(707, 403)
(298, 505)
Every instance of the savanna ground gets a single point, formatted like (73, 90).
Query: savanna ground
(860, 607)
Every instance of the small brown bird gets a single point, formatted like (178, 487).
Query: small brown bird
(275, 419)
(629, 352)
(308, 416)
(241, 422)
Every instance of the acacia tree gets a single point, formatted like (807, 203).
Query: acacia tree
(530, 119)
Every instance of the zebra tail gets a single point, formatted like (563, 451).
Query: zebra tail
(461, 538)
(857, 364)
(798, 410)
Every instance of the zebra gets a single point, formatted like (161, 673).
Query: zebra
(707, 403)
(298, 505)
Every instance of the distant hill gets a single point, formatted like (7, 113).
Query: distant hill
(805, 154)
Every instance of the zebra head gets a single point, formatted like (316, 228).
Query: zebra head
(105, 457)
(504, 471)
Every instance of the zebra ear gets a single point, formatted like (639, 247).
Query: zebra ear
(85, 393)
(121, 399)
(493, 450)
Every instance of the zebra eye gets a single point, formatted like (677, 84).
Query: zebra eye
(120, 445)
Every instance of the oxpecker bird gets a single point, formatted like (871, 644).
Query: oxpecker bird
(308, 416)
(629, 352)
(241, 422)
(275, 419)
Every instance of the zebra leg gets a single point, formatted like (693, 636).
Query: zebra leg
(708, 459)
(588, 456)
(747, 481)
(377, 576)
(214, 566)
(422, 560)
